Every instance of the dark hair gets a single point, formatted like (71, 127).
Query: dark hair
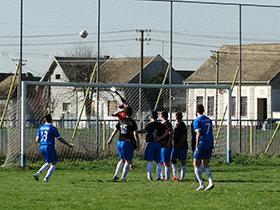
(179, 115)
(154, 115)
(48, 118)
(200, 108)
(164, 114)
(128, 111)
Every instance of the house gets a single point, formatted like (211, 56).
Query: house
(185, 73)
(111, 70)
(260, 79)
(4, 76)
(5, 86)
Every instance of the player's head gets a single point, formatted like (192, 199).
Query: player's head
(128, 111)
(164, 115)
(48, 118)
(200, 109)
(179, 116)
(154, 115)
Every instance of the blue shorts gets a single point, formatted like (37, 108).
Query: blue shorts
(153, 150)
(203, 154)
(180, 154)
(125, 150)
(165, 155)
(49, 153)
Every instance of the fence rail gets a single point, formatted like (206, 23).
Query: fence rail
(255, 134)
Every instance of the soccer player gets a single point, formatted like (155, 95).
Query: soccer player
(156, 131)
(121, 114)
(128, 131)
(124, 103)
(203, 148)
(180, 147)
(46, 136)
(166, 148)
(193, 134)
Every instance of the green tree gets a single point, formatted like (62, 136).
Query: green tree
(157, 79)
(152, 93)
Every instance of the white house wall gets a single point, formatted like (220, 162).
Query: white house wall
(252, 93)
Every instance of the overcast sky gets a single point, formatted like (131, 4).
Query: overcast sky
(50, 28)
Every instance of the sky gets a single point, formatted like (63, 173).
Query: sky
(51, 28)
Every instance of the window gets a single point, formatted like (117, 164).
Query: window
(233, 106)
(199, 100)
(92, 109)
(66, 107)
(57, 76)
(112, 107)
(210, 105)
(244, 106)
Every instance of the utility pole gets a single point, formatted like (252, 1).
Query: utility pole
(142, 50)
(217, 91)
(141, 67)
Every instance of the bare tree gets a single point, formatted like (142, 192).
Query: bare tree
(80, 50)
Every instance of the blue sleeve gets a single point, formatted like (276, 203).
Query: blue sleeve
(38, 133)
(55, 132)
(196, 125)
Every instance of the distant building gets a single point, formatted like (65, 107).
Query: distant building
(260, 74)
(112, 70)
(5, 86)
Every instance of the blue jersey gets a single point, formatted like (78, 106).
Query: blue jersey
(47, 134)
(204, 124)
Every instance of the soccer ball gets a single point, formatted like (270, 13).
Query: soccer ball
(83, 34)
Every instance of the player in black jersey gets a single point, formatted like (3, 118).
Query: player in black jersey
(166, 148)
(128, 131)
(180, 147)
(155, 133)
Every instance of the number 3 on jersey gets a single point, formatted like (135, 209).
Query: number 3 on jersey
(44, 135)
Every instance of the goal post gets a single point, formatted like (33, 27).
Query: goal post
(63, 101)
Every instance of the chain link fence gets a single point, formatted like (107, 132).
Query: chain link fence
(140, 42)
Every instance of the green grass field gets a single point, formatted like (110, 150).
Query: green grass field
(246, 183)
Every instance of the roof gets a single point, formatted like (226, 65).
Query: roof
(6, 83)
(4, 76)
(80, 69)
(260, 63)
(76, 69)
(121, 70)
(185, 73)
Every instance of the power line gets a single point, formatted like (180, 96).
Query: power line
(63, 35)
(216, 3)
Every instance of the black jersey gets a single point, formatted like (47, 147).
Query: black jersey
(126, 126)
(168, 126)
(193, 134)
(179, 130)
(154, 130)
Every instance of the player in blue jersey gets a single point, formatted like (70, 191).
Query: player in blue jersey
(180, 147)
(46, 136)
(128, 133)
(203, 148)
(156, 131)
(193, 135)
(166, 148)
